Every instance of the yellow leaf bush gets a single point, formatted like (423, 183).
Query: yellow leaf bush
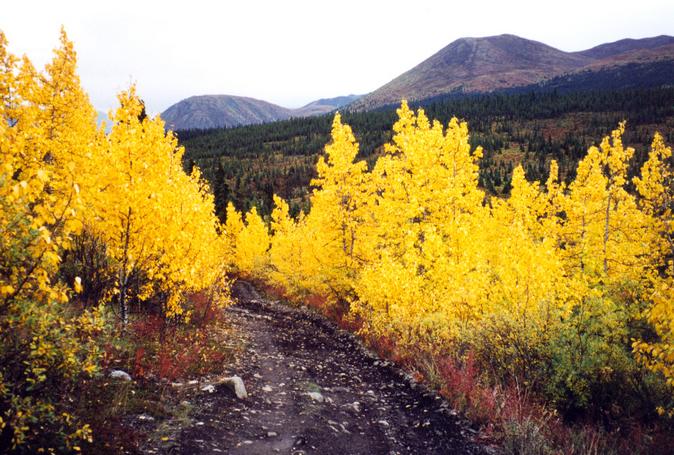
(122, 197)
(548, 287)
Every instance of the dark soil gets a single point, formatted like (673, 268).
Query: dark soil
(313, 389)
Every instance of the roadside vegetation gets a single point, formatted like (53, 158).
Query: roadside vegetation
(545, 316)
(110, 258)
(536, 298)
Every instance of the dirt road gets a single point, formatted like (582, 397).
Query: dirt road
(312, 389)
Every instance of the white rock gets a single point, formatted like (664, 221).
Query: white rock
(266, 389)
(236, 384)
(355, 406)
(210, 388)
(119, 374)
(315, 396)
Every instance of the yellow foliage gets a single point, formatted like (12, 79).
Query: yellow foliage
(425, 258)
(44, 125)
(154, 218)
(656, 187)
(58, 174)
(251, 240)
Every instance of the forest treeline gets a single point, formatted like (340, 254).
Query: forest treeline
(560, 291)
(92, 226)
(247, 165)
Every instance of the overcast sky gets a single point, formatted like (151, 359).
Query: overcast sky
(293, 52)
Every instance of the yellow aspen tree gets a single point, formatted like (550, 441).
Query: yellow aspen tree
(287, 259)
(41, 342)
(127, 210)
(68, 119)
(656, 188)
(529, 275)
(190, 255)
(252, 246)
(338, 211)
(426, 279)
(233, 227)
(607, 237)
(605, 242)
(70, 136)
(157, 221)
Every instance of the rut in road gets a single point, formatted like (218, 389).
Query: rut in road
(313, 389)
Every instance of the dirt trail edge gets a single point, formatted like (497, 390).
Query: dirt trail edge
(313, 389)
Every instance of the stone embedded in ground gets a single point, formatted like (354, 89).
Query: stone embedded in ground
(235, 383)
(119, 374)
(210, 388)
(355, 406)
(316, 396)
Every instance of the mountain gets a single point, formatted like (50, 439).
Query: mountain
(465, 66)
(216, 111)
(476, 65)
(625, 45)
(324, 105)
(480, 65)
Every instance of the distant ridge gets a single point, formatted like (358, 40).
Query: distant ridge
(217, 111)
(625, 45)
(465, 66)
(324, 105)
(479, 65)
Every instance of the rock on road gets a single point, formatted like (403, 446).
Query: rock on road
(313, 389)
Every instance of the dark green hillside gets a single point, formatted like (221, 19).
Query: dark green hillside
(248, 164)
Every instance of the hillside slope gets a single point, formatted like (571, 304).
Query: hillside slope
(479, 65)
(324, 105)
(217, 111)
(626, 45)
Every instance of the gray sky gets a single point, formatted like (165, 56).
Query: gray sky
(292, 52)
